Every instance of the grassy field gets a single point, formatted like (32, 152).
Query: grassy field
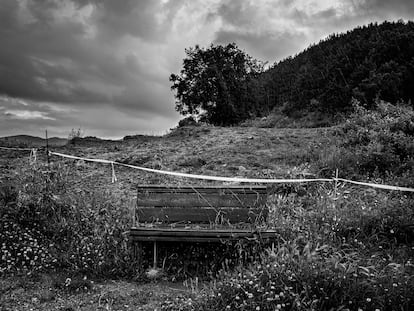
(340, 246)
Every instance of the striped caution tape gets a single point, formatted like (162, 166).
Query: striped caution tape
(230, 179)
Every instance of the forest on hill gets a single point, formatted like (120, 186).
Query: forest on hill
(223, 85)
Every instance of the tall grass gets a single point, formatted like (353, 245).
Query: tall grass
(45, 225)
(339, 249)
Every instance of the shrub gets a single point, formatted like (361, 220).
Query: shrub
(75, 134)
(340, 248)
(50, 223)
(188, 121)
(313, 277)
(377, 143)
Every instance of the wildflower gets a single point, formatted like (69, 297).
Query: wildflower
(68, 281)
(257, 308)
(278, 306)
(394, 284)
(368, 299)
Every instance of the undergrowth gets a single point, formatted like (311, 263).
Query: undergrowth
(45, 225)
(374, 144)
(340, 249)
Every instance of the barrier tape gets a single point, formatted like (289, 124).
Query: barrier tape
(229, 179)
(12, 148)
(205, 177)
(380, 186)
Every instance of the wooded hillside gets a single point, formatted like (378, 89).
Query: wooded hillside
(223, 85)
(369, 62)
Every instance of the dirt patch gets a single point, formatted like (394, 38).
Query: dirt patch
(53, 292)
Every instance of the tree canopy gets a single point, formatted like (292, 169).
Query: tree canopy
(214, 84)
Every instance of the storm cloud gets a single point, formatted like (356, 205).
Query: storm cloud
(104, 65)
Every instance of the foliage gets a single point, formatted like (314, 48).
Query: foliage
(342, 249)
(367, 63)
(314, 277)
(375, 143)
(44, 224)
(215, 82)
(22, 248)
(188, 121)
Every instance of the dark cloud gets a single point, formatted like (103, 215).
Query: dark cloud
(384, 8)
(265, 46)
(50, 58)
(348, 14)
(237, 13)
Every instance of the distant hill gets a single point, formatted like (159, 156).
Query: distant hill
(367, 63)
(31, 141)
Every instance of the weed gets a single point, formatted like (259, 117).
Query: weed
(43, 225)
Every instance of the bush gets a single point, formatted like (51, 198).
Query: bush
(375, 144)
(189, 121)
(340, 249)
(313, 277)
(45, 223)
(75, 134)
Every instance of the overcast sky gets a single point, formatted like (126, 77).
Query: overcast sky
(104, 65)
